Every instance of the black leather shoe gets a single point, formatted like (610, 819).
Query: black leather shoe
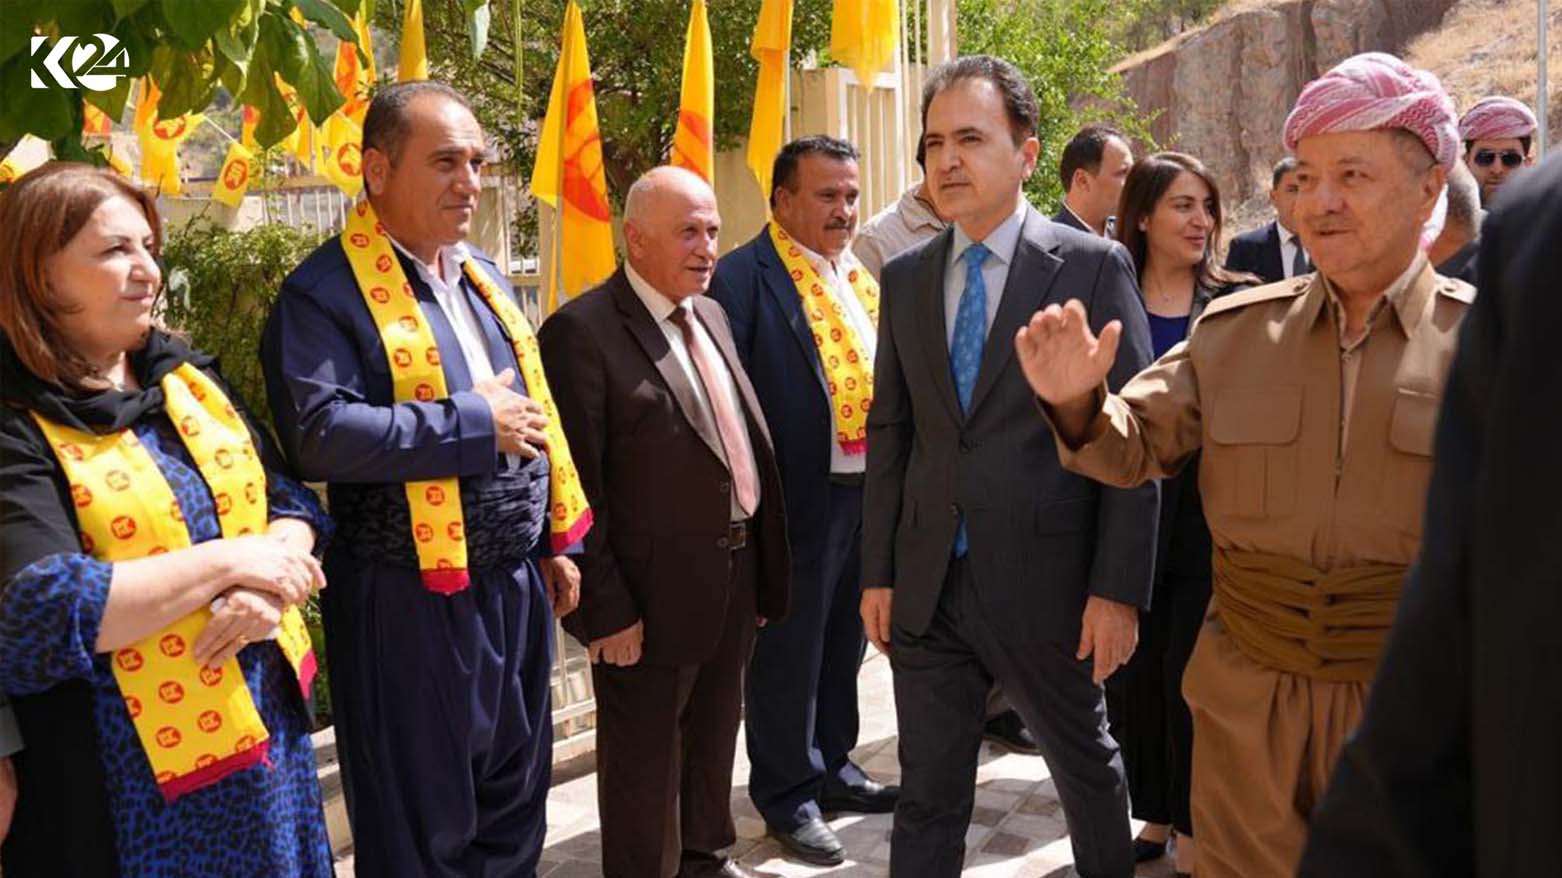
(1008, 730)
(725, 867)
(871, 797)
(813, 842)
(1146, 850)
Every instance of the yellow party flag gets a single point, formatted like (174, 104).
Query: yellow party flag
(28, 153)
(301, 143)
(95, 122)
(354, 79)
(341, 154)
(146, 106)
(160, 152)
(119, 163)
(247, 128)
(414, 54)
(864, 35)
(569, 175)
(234, 178)
(771, 44)
(693, 145)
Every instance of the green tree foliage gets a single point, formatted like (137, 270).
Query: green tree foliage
(1140, 24)
(1066, 50)
(192, 48)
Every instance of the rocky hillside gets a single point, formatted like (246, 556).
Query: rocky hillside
(1222, 91)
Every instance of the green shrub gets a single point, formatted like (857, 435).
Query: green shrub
(220, 286)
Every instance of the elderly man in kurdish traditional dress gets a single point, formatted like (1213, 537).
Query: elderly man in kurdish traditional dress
(1312, 401)
(396, 363)
(1497, 133)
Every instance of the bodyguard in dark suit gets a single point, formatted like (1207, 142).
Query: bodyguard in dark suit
(983, 559)
(1273, 252)
(1455, 768)
(689, 546)
(812, 369)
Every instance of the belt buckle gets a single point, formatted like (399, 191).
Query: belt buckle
(737, 535)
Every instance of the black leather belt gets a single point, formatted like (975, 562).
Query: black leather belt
(737, 534)
(847, 480)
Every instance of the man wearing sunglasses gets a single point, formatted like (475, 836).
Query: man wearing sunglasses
(1497, 133)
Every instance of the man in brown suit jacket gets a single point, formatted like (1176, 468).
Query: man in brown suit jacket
(688, 552)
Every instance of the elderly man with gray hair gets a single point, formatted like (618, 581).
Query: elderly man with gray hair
(689, 550)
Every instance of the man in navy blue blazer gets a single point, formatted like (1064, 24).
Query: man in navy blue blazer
(804, 318)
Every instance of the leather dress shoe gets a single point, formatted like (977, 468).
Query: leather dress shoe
(1008, 730)
(813, 842)
(870, 797)
(725, 867)
(1146, 850)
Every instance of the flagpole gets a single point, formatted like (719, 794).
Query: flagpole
(1542, 79)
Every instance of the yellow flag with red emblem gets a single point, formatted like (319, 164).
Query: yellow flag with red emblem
(693, 145)
(247, 128)
(160, 141)
(354, 79)
(568, 173)
(341, 154)
(301, 143)
(234, 178)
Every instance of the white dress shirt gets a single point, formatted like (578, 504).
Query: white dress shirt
(446, 287)
(661, 309)
(840, 289)
(1002, 241)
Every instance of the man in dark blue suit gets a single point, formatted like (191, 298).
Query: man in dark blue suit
(441, 688)
(1273, 252)
(804, 315)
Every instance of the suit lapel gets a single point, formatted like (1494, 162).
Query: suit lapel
(935, 332)
(1030, 277)
(643, 327)
(779, 284)
(716, 326)
(1276, 253)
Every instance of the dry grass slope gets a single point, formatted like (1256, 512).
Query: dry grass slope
(1488, 47)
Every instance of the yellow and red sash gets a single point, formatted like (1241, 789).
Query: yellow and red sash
(848, 372)
(438, 527)
(196, 724)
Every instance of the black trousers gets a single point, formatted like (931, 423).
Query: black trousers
(801, 706)
(666, 739)
(941, 683)
(1148, 714)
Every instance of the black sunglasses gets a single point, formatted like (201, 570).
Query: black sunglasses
(1510, 158)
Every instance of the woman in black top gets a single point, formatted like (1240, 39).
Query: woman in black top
(1169, 219)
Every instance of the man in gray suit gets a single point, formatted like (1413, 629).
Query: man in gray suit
(983, 559)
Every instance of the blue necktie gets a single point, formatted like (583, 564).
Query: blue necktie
(965, 349)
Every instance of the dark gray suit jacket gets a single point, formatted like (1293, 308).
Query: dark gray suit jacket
(1042, 539)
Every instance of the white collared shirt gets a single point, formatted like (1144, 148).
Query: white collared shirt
(1289, 244)
(661, 309)
(840, 289)
(1002, 242)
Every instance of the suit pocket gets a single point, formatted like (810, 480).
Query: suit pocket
(1407, 466)
(1252, 452)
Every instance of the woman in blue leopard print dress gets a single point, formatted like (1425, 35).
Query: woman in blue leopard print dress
(78, 280)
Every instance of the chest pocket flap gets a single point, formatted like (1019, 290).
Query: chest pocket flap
(1256, 415)
(1414, 422)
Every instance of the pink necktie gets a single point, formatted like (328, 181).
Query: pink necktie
(728, 424)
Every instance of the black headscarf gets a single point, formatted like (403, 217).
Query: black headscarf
(98, 411)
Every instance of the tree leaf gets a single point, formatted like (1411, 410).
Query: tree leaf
(477, 27)
(195, 21)
(329, 17)
(293, 54)
(45, 112)
(126, 8)
(237, 41)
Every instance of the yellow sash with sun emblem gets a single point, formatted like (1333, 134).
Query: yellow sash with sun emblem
(196, 724)
(848, 372)
(438, 527)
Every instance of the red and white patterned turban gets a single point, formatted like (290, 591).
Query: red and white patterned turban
(1375, 91)
(1497, 118)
